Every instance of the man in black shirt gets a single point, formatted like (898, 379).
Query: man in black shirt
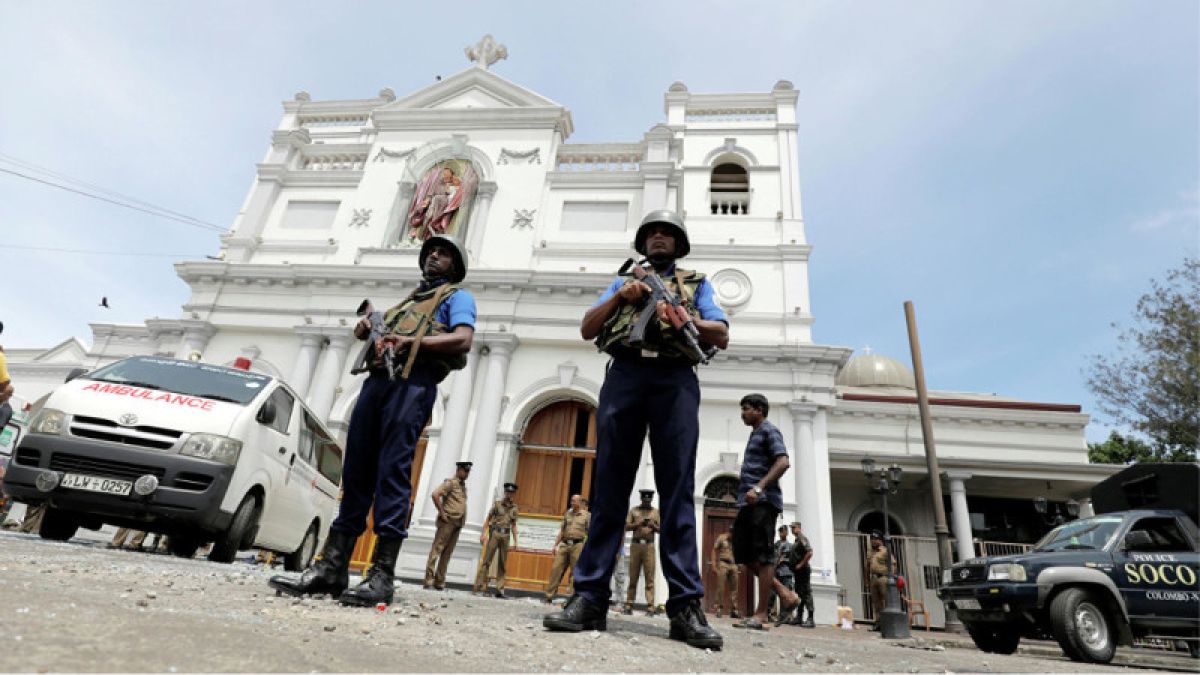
(760, 502)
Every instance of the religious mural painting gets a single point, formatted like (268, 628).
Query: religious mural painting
(442, 201)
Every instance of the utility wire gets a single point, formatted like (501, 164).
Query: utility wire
(99, 188)
(204, 226)
(90, 252)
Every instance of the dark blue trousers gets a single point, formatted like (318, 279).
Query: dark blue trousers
(384, 429)
(641, 395)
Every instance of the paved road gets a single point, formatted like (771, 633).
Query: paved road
(79, 607)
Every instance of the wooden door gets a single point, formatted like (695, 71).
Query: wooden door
(717, 521)
(554, 461)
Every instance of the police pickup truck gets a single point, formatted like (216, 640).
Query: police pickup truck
(1131, 571)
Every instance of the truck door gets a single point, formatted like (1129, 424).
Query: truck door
(1158, 569)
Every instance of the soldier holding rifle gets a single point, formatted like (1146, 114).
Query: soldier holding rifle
(658, 324)
(414, 346)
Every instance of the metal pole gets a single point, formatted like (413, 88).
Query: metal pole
(893, 620)
(945, 556)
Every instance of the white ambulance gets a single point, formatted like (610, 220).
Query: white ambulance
(202, 453)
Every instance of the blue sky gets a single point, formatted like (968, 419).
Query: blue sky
(1020, 170)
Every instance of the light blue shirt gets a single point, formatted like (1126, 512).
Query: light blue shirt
(457, 310)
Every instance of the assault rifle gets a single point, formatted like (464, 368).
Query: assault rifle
(367, 356)
(644, 272)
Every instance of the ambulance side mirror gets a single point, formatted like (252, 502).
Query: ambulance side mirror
(75, 372)
(266, 414)
(1138, 540)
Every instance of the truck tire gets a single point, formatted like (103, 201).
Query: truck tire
(1082, 626)
(182, 546)
(58, 525)
(229, 542)
(298, 560)
(995, 638)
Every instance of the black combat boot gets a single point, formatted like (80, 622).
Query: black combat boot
(690, 626)
(578, 614)
(329, 574)
(378, 584)
(809, 623)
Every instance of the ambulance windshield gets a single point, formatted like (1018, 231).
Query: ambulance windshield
(184, 377)
(1080, 535)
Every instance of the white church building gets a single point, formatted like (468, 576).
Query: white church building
(336, 212)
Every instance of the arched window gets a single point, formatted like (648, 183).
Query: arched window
(729, 189)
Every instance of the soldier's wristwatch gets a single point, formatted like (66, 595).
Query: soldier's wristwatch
(757, 490)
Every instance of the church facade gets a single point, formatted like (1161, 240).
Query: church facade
(348, 189)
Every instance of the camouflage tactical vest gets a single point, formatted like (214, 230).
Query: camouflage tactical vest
(408, 317)
(661, 337)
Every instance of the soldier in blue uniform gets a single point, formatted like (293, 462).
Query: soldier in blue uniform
(652, 388)
(430, 333)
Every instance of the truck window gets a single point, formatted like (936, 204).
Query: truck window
(284, 402)
(1163, 534)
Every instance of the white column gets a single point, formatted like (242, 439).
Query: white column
(1086, 510)
(811, 474)
(306, 361)
(484, 192)
(960, 515)
(810, 471)
(804, 467)
(329, 373)
(450, 438)
(196, 335)
(500, 347)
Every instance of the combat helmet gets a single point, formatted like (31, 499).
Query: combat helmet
(665, 217)
(460, 255)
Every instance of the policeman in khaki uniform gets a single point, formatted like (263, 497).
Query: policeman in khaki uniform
(644, 522)
(450, 498)
(727, 574)
(568, 544)
(879, 564)
(500, 522)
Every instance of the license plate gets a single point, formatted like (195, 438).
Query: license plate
(967, 603)
(109, 486)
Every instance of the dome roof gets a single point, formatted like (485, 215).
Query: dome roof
(875, 370)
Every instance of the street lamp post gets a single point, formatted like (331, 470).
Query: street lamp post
(893, 620)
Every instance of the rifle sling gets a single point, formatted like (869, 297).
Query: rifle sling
(422, 330)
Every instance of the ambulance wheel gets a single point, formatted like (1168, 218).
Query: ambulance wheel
(229, 542)
(1082, 626)
(58, 525)
(182, 545)
(298, 560)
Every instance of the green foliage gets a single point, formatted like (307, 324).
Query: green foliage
(1120, 449)
(1152, 383)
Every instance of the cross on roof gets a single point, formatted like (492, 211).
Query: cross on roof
(486, 52)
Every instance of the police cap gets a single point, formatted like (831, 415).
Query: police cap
(647, 494)
(510, 487)
(464, 465)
